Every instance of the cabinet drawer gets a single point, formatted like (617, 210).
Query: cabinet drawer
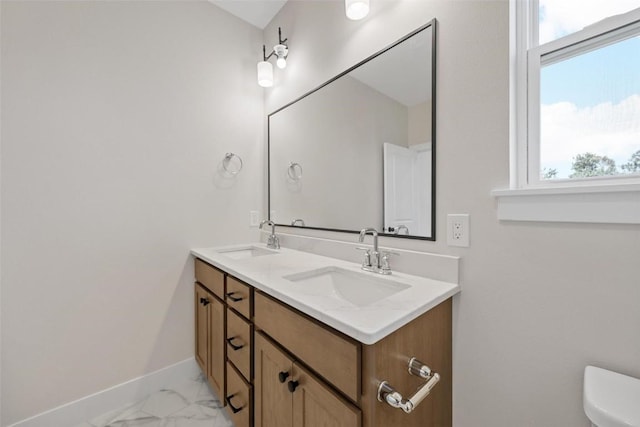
(210, 277)
(239, 343)
(334, 357)
(239, 398)
(239, 296)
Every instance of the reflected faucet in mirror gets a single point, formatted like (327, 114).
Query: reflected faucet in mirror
(398, 229)
(297, 221)
(272, 241)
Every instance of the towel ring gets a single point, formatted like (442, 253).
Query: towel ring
(294, 171)
(227, 162)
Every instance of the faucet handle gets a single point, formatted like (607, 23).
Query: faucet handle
(273, 242)
(384, 261)
(366, 262)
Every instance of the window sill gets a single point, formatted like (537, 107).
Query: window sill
(604, 204)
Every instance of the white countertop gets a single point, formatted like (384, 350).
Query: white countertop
(365, 324)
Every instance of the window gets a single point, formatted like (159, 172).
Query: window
(580, 71)
(575, 112)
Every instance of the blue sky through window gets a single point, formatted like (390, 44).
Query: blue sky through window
(610, 74)
(591, 102)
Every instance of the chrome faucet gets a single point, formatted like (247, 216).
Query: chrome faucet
(272, 240)
(374, 260)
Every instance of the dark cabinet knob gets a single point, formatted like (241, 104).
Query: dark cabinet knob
(293, 385)
(233, 408)
(282, 376)
(204, 301)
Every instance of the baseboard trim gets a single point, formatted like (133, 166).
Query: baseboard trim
(89, 407)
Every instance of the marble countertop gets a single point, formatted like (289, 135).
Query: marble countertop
(367, 324)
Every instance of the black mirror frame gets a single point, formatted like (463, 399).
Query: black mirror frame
(433, 25)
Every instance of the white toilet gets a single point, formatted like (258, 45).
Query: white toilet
(611, 399)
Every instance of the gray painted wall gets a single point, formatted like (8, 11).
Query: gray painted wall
(115, 119)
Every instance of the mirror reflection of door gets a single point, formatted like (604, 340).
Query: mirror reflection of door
(407, 201)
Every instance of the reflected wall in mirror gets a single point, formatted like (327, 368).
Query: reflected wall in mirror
(359, 150)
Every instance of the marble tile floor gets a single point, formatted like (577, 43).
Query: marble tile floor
(191, 404)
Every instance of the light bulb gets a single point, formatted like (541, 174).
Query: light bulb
(281, 52)
(265, 74)
(356, 9)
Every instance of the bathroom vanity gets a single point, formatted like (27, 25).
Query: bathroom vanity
(284, 341)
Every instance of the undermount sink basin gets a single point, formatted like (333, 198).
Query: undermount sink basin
(360, 289)
(246, 252)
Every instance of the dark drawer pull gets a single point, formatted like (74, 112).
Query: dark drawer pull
(234, 299)
(233, 346)
(233, 408)
(282, 376)
(293, 385)
(204, 301)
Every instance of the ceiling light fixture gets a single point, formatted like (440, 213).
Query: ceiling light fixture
(356, 9)
(265, 69)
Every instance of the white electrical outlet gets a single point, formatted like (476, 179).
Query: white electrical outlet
(254, 218)
(458, 230)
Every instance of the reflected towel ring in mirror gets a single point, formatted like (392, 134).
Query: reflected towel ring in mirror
(294, 171)
(230, 165)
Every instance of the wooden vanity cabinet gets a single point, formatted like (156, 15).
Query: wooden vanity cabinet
(332, 355)
(285, 369)
(224, 339)
(341, 376)
(288, 395)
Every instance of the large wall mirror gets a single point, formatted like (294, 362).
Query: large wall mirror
(358, 151)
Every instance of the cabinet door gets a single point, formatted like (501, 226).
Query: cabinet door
(273, 370)
(202, 328)
(315, 405)
(217, 346)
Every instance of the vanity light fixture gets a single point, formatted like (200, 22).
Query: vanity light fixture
(265, 69)
(356, 9)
